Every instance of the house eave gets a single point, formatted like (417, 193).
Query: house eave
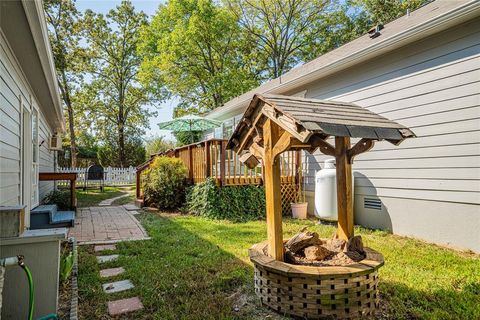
(305, 74)
(38, 27)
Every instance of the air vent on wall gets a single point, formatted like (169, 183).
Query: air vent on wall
(372, 203)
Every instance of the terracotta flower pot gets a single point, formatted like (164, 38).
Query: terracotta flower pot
(299, 210)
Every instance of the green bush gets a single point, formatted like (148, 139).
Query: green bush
(59, 197)
(235, 203)
(165, 183)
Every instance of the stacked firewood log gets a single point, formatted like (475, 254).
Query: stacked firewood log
(306, 248)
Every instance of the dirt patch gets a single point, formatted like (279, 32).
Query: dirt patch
(246, 305)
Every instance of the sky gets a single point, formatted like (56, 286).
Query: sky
(165, 110)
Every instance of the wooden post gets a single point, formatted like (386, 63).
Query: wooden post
(190, 163)
(208, 161)
(73, 196)
(137, 191)
(223, 151)
(344, 188)
(273, 191)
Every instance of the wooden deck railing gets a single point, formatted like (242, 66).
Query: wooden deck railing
(211, 159)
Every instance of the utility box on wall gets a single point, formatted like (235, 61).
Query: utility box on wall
(41, 251)
(12, 221)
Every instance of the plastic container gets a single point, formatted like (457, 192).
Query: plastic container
(326, 192)
(299, 210)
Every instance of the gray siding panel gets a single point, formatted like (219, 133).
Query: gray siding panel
(432, 87)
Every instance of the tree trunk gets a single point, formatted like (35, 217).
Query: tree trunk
(121, 144)
(71, 125)
(73, 142)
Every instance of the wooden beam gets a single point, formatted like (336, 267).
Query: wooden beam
(360, 147)
(324, 146)
(272, 191)
(344, 188)
(285, 122)
(190, 163)
(208, 161)
(252, 130)
(256, 150)
(223, 152)
(283, 143)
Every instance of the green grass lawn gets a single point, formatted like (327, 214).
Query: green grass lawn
(194, 268)
(93, 197)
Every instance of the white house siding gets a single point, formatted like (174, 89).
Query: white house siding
(47, 157)
(13, 85)
(429, 185)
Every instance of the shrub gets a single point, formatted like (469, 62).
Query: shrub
(59, 197)
(235, 203)
(165, 183)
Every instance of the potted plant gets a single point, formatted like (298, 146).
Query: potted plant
(299, 207)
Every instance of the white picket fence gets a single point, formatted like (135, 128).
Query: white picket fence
(112, 176)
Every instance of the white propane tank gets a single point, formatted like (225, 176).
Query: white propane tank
(326, 192)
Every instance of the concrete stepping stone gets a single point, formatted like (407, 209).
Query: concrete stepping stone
(103, 259)
(122, 306)
(117, 286)
(130, 207)
(112, 272)
(104, 247)
(134, 212)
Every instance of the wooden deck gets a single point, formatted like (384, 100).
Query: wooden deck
(210, 158)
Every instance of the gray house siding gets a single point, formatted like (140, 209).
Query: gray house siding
(13, 88)
(430, 185)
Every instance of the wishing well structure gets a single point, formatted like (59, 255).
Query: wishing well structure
(273, 124)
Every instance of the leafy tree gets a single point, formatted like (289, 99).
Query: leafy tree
(337, 26)
(158, 144)
(281, 30)
(384, 11)
(187, 137)
(109, 155)
(118, 100)
(64, 26)
(196, 49)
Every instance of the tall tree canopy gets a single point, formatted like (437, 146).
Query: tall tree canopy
(196, 49)
(283, 31)
(64, 31)
(384, 11)
(117, 98)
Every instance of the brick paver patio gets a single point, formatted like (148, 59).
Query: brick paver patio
(106, 224)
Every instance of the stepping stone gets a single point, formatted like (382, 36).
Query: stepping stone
(102, 259)
(106, 273)
(104, 247)
(124, 306)
(130, 207)
(134, 212)
(117, 286)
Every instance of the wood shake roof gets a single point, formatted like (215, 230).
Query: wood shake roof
(304, 118)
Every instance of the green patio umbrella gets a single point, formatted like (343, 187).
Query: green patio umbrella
(189, 123)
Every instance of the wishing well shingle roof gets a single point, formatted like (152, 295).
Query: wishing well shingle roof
(325, 118)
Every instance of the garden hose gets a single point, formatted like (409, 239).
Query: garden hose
(31, 301)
